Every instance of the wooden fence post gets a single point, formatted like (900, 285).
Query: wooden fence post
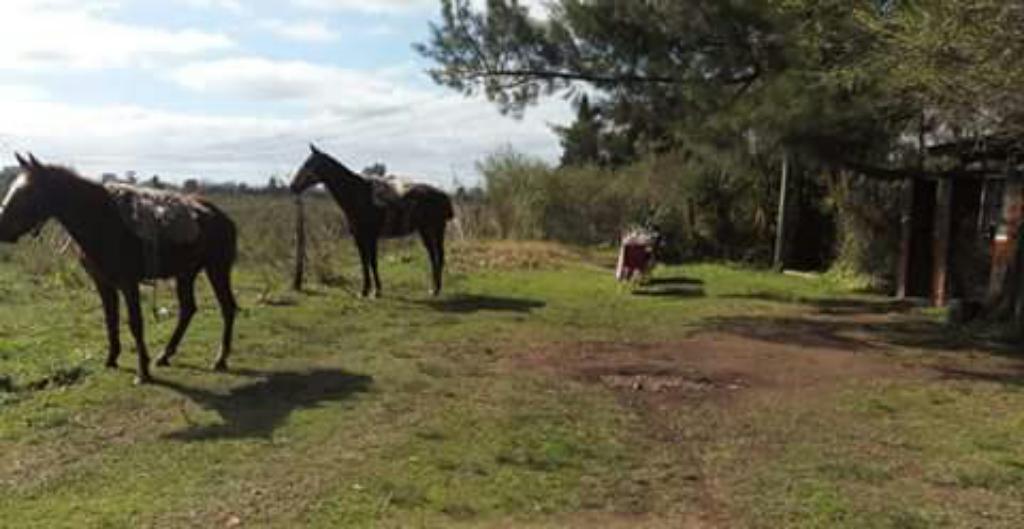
(300, 243)
(780, 229)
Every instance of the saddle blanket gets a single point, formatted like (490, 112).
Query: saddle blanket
(155, 215)
(389, 193)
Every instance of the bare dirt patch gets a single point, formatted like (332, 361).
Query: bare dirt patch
(715, 365)
(691, 393)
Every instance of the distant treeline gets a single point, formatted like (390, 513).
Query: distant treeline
(274, 185)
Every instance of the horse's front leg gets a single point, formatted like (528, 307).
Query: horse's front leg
(372, 250)
(111, 309)
(364, 261)
(186, 309)
(131, 298)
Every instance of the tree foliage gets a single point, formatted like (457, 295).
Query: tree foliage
(845, 82)
(862, 93)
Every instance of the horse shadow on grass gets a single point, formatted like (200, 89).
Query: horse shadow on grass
(472, 303)
(257, 409)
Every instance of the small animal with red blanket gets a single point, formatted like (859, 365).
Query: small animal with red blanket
(637, 253)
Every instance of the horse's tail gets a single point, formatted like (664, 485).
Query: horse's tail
(227, 251)
(231, 249)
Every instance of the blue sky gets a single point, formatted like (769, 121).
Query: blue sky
(232, 89)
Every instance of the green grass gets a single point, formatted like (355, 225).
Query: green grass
(406, 411)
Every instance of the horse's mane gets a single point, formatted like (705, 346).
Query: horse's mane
(66, 173)
(343, 168)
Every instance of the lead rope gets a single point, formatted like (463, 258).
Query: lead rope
(151, 263)
(156, 305)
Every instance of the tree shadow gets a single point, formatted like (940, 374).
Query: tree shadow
(688, 291)
(257, 409)
(470, 303)
(837, 306)
(849, 333)
(792, 331)
(1004, 378)
(674, 281)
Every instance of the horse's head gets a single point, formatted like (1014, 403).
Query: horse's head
(312, 171)
(26, 206)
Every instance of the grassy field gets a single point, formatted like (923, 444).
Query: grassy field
(536, 392)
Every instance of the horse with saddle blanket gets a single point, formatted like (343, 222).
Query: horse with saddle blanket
(378, 208)
(127, 235)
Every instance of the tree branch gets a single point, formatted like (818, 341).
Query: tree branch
(549, 75)
(892, 174)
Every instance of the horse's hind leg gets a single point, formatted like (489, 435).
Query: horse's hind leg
(131, 298)
(111, 308)
(220, 280)
(434, 242)
(439, 258)
(186, 309)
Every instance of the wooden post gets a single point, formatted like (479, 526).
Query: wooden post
(941, 241)
(780, 228)
(300, 243)
(906, 238)
(1004, 245)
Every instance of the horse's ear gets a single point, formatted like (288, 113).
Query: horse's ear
(313, 149)
(21, 161)
(35, 162)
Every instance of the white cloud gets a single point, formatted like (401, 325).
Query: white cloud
(303, 31)
(314, 85)
(59, 34)
(234, 6)
(362, 116)
(432, 141)
(536, 7)
(373, 6)
(17, 93)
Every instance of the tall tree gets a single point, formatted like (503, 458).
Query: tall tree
(581, 141)
(701, 69)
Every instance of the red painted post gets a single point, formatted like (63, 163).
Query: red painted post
(1004, 244)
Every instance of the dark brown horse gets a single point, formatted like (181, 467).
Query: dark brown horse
(118, 259)
(420, 208)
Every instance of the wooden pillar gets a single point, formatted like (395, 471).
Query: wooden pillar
(780, 234)
(1004, 244)
(906, 237)
(941, 241)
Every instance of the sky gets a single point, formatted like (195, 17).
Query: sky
(237, 90)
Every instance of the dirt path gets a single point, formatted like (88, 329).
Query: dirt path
(739, 365)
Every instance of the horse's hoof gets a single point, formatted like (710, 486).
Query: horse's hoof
(111, 365)
(221, 367)
(163, 361)
(143, 380)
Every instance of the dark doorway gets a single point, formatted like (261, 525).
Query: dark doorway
(969, 258)
(922, 244)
